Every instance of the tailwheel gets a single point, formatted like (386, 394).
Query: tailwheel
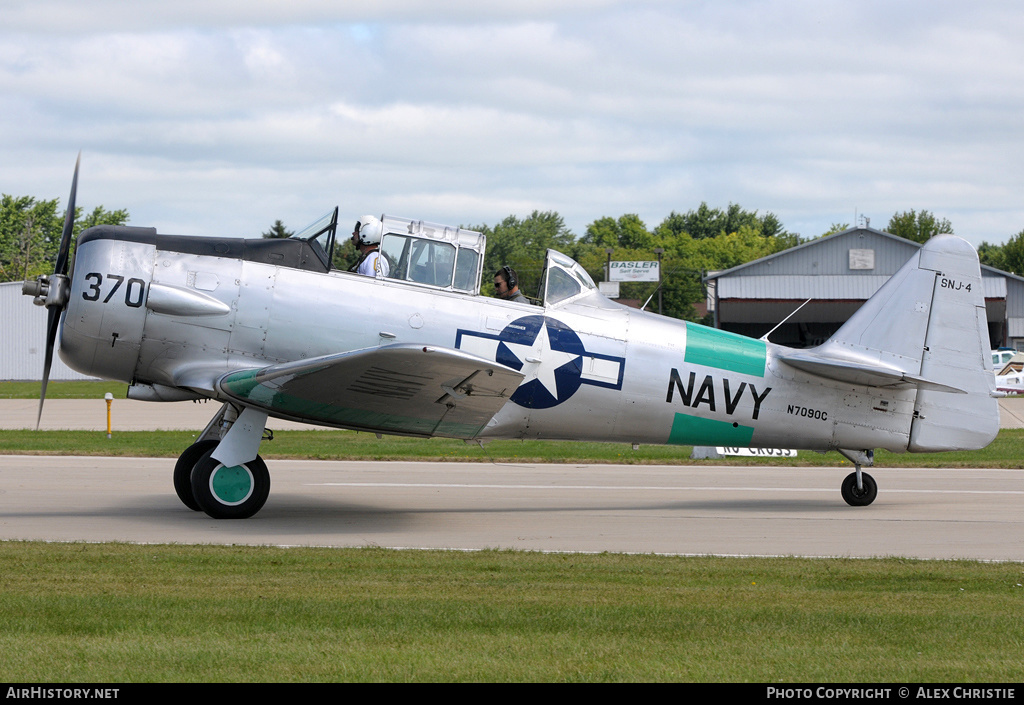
(860, 496)
(235, 492)
(183, 471)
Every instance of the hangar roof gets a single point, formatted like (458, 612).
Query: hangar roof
(851, 264)
(825, 287)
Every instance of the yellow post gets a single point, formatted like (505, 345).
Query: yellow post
(110, 398)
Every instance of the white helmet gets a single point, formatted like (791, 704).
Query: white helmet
(369, 229)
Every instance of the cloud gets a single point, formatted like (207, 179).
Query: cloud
(225, 116)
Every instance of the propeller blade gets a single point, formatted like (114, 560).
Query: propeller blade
(69, 225)
(61, 267)
(52, 321)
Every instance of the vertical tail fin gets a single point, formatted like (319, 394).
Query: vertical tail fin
(957, 349)
(929, 323)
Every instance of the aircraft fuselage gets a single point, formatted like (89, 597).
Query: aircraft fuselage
(169, 314)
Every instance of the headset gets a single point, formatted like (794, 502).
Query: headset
(510, 277)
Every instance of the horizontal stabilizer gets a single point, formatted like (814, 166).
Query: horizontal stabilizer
(400, 389)
(862, 373)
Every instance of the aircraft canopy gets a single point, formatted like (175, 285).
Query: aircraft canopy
(564, 279)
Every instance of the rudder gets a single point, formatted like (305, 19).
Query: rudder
(955, 353)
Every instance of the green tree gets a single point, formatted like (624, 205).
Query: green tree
(630, 239)
(706, 222)
(688, 260)
(522, 245)
(771, 226)
(723, 239)
(992, 255)
(628, 231)
(30, 233)
(277, 230)
(99, 216)
(28, 229)
(835, 228)
(345, 254)
(917, 226)
(1012, 254)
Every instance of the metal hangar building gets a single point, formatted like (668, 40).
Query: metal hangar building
(837, 273)
(23, 339)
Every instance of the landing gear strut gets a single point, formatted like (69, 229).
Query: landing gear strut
(229, 486)
(859, 489)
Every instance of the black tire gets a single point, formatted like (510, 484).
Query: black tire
(862, 497)
(183, 471)
(235, 492)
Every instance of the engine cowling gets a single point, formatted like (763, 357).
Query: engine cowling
(102, 326)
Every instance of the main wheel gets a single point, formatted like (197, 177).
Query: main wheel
(183, 471)
(859, 497)
(235, 492)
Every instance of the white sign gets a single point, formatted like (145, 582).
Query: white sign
(634, 271)
(758, 452)
(862, 259)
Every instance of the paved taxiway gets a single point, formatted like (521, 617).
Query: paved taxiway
(922, 513)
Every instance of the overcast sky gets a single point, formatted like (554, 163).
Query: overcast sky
(222, 116)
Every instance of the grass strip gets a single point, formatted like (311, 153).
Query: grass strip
(116, 613)
(1006, 451)
(79, 389)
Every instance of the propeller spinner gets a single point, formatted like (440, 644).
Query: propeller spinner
(52, 290)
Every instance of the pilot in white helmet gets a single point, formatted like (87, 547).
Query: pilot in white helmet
(366, 237)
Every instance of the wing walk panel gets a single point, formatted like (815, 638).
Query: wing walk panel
(402, 389)
(389, 383)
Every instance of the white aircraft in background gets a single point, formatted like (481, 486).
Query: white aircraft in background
(271, 330)
(1010, 383)
(1008, 366)
(1001, 357)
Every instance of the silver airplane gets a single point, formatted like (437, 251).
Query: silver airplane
(270, 329)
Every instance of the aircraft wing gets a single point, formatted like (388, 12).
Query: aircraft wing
(861, 372)
(401, 389)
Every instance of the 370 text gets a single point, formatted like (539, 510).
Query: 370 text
(134, 289)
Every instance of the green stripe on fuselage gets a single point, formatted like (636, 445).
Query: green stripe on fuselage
(693, 430)
(724, 350)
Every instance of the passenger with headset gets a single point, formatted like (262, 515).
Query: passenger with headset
(366, 238)
(506, 285)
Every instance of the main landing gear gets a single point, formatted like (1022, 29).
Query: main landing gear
(235, 492)
(859, 489)
(232, 490)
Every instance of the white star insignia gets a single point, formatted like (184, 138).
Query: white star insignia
(540, 361)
